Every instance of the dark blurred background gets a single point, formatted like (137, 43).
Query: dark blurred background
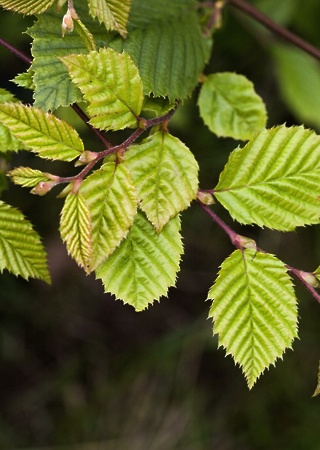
(79, 370)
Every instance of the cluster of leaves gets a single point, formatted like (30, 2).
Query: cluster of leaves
(120, 216)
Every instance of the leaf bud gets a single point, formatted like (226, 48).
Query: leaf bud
(205, 197)
(244, 242)
(86, 157)
(309, 278)
(43, 187)
(67, 21)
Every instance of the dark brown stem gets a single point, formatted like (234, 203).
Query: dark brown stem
(275, 28)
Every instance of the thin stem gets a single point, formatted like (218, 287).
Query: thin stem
(15, 51)
(86, 119)
(310, 288)
(275, 28)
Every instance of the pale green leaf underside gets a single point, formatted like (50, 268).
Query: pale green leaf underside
(21, 251)
(111, 84)
(298, 75)
(145, 265)
(113, 13)
(27, 177)
(230, 106)
(111, 198)
(254, 310)
(76, 229)
(274, 180)
(41, 132)
(27, 6)
(167, 181)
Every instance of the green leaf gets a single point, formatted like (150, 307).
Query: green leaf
(111, 84)
(85, 34)
(145, 265)
(230, 106)
(299, 82)
(7, 141)
(254, 310)
(76, 229)
(166, 43)
(21, 251)
(317, 389)
(27, 6)
(113, 13)
(111, 198)
(42, 132)
(27, 177)
(25, 79)
(167, 180)
(53, 87)
(274, 180)
(159, 106)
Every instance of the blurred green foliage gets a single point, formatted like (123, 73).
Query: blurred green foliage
(81, 371)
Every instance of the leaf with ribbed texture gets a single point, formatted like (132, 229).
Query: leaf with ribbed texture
(254, 310)
(53, 86)
(110, 195)
(41, 132)
(76, 229)
(21, 251)
(230, 106)
(167, 180)
(274, 180)
(111, 85)
(113, 13)
(145, 265)
(167, 45)
(27, 6)
(27, 177)
(25, 79)
(7, 141)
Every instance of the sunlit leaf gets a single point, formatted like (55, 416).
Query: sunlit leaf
(274, 180)
(21, 251)
(113, 13)
(41, 132)
(145, 265)
(111, 85)
(27, 6)
(111, 198)
(76, 229)
(254, 310)
(167, 180)
(27, 177)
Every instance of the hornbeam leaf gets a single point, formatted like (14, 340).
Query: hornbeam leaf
(167, 181)
(254, 310)
(7, 141)
(145, 265)
(113, 13)
(111, 198)
(230, 107)
(27, 177)
(41, 132)
(76, 228)
(166, 43)
(111, 84)
(274, 180)
(27, 6)
(21, 251)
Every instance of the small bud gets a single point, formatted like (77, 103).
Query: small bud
(205, 197)
(244, 242)
(309, 278)
(67, 23)
(86, 157)
(43, 187)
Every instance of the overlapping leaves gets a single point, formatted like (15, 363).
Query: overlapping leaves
(254, 310)
(274, 180)
(111, 85)
(145, 265)
(167, 181)
(113, 13)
